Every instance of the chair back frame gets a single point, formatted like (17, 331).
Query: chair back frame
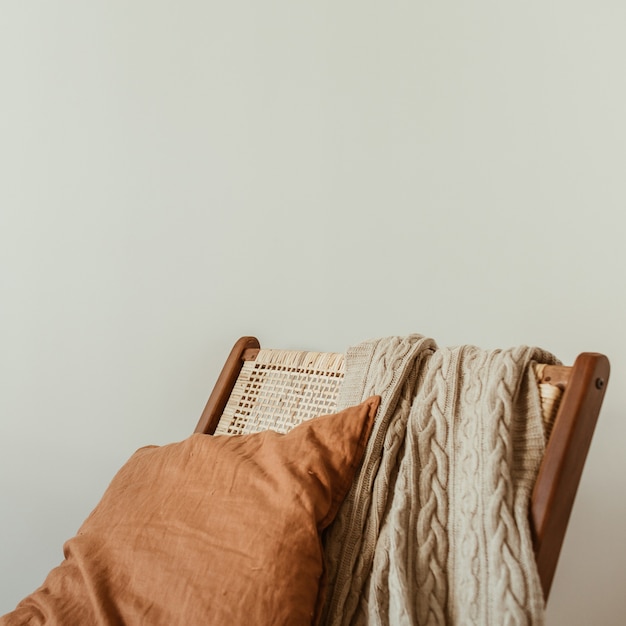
(584, 385)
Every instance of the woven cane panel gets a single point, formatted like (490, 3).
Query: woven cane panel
(281, 389)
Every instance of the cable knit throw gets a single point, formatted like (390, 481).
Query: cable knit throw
(435, 529)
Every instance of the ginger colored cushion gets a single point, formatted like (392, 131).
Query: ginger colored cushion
(212, 530)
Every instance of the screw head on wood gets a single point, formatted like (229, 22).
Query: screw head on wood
(599, 383)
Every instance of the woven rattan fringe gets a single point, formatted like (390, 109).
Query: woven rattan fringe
(282, 388)
(550, 399)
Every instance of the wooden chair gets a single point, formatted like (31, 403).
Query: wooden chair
(258, 389)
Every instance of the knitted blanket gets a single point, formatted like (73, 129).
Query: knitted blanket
(435, 529)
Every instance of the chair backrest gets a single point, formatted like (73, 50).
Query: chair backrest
(276, 389)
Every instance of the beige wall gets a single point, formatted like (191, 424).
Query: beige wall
(176, 174)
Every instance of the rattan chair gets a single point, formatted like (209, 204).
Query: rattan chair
(276, 389)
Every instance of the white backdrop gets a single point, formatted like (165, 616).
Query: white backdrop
(174, 175)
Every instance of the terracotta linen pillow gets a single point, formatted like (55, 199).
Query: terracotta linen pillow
(212, 530)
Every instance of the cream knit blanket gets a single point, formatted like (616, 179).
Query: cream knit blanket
(435, 529)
